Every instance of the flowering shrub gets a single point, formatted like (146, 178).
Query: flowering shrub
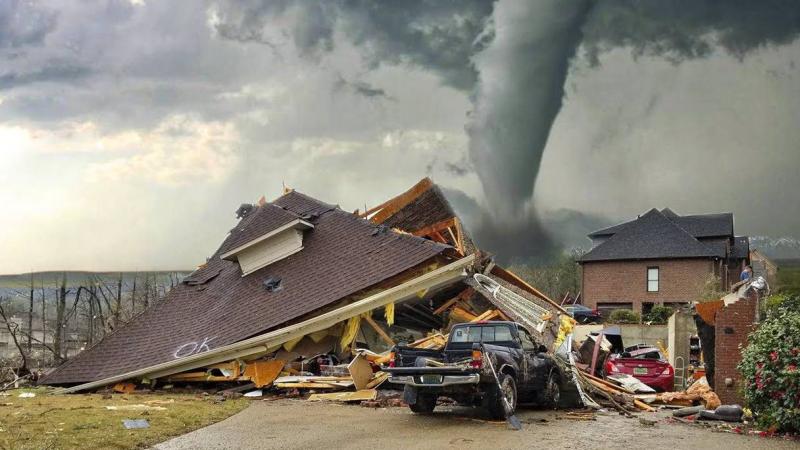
(770, 370)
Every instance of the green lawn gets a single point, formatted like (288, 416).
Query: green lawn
(789, 279)
(49, 421)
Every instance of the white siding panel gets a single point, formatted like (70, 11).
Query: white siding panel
(270, 250)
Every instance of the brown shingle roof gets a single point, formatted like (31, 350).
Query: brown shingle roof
(342, 255)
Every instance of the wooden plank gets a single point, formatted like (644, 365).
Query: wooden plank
(437, 237)
(462, 315)
(463, 295)
(361, 371)
(263, 373)
(607, 383)
(310, 379)
(386, 338)
(642, 405)
(438, 226)
(377, 380)
(488, 314)
(357, 396)
(306, 386)
(460, 241)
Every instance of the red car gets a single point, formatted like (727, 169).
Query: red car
(646, 364)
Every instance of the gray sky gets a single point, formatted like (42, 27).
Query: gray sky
(131, 131)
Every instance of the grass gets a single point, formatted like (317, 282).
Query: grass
(789, 279)
(82, 420)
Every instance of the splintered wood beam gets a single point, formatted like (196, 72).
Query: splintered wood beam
(463, 295)
(436, 236)
(453, 236)
(489, 314)
(438, 226)
(379, 330)
(392, 206)
(460, 241)
(462, 315)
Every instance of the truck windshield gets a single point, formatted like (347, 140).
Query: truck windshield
(488, 334)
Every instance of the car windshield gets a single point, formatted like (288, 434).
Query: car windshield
(577, 308)
(482, 333)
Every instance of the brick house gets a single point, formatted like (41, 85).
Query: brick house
(660, 258)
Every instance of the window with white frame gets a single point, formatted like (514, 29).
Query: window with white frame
(652, 279)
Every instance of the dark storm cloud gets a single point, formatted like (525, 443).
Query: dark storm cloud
(513, 59)
(24, 23)
(56, 72)
(685, 29)
(437, 35)
(361, 88)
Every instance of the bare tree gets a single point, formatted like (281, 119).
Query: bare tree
(118, 301)
(13, 329)
(60, 325)
(30, 317)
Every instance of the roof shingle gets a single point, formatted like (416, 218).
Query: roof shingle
(651, 236)
(216, 306)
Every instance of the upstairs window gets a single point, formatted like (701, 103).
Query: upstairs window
(652, 279)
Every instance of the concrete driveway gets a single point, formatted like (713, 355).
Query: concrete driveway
(299, 424)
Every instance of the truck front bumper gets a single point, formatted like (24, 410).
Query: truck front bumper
(435, 380)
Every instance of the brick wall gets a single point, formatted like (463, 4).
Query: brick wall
(680, 280)
(732, 325)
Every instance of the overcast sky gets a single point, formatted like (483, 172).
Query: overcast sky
(131, 131)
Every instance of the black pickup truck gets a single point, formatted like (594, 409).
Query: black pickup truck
(465, 370)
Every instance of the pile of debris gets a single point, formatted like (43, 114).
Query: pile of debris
(304, 297)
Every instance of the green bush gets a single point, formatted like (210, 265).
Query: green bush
(623, 316)
(770, 369)
(659, 315)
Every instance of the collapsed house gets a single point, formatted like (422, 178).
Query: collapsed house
(302, 289)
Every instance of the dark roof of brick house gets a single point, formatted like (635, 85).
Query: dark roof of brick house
(653, 235)
(699, 226)
(215, 305)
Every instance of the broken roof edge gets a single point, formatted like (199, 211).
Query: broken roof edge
(261, 343)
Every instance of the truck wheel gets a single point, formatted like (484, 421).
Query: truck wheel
(425, 404)
(551, 393)
(508, 389)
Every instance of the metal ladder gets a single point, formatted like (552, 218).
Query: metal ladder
(680, 374)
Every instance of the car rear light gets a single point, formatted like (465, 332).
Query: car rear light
(667, 371)
(391, 359)
(611, 368)
(477, 359)
(596, 311)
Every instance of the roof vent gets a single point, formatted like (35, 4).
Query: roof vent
(244, 209)
(273, 284)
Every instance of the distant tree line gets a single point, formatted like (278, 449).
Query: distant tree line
(59, 315)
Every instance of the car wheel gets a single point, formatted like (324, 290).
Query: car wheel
(425, 404)
(498, 397)
(551, 394)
